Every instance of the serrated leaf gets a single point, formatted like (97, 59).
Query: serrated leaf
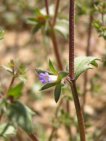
(82, 64)
(21, 116)
(48, 85)
(62, 26)
(52, 68)
(57, 92)
(7, 130)
(16, 91)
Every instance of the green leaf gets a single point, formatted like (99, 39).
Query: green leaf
(36, 28)
(57, 92)
(52, 68)
(16, 91)
(20, 115)
(62, 74)
(48, 85)
(37, 12)
(7, 130)
(62, 26)
(1, 34)
(82, 64)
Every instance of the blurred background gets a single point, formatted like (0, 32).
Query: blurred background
(32, 46)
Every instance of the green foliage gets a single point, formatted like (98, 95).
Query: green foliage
(1, 34)
(82, 64)
(16, 69)
(100, 28)
(57, 92)
(7, 130)
(65, 118)
(20, 115)
(52, 68)
(48, 85)
(16, 91)
(62, 27)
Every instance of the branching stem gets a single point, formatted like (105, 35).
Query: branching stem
(53, 36)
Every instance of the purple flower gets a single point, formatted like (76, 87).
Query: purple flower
(46, 78)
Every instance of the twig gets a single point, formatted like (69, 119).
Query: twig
(47, 7)
(54, 40)
(56, 50)
(56, 12)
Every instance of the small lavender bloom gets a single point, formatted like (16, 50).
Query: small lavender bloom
(46, 78)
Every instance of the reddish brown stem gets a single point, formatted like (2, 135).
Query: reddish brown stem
(12, 81)
(56, 12)
(11, 84)
(71, 40)
(71, 79)
(47, 6)
(53, 37)
(56, 50)
(78, 111)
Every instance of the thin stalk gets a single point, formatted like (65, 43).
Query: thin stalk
(53, 38)
(56, 50)
(11, 84)
(47, 7)
(71, 40)
(78, 110)
(56, 12)
(71, 73)
(88, 53)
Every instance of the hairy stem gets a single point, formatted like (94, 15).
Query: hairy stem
(71, 40)
(78, 111)
(71, 79)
